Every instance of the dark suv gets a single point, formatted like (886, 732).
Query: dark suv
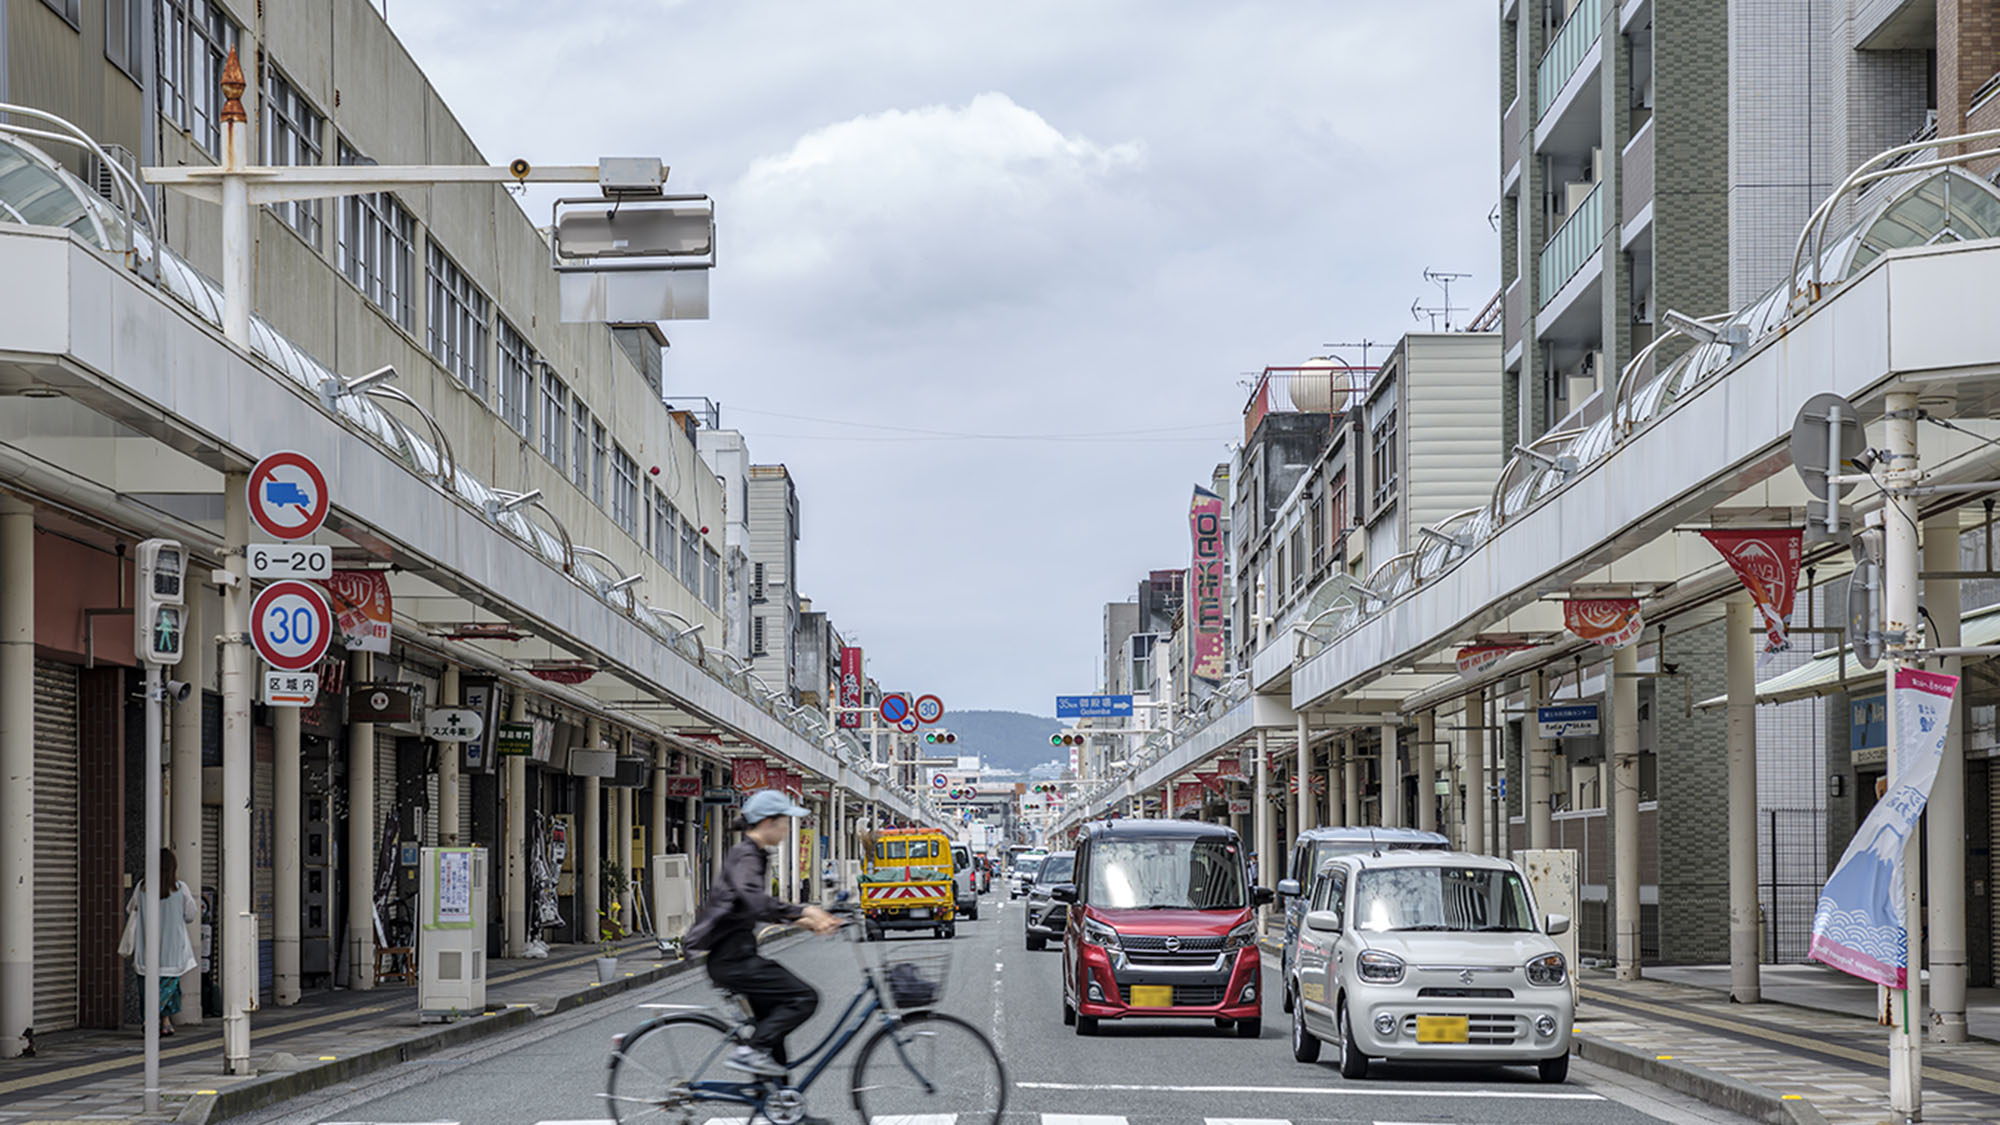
(1045, 914)
(1162, 924)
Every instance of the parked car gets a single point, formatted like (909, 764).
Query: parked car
(1432, 956)
(965, 882)
(1045, 916)
(1317, 845)
(1025, 866)
(1161, 924)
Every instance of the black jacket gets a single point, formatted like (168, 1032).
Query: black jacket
(739, 900)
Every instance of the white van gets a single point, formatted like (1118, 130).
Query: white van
(963, 882)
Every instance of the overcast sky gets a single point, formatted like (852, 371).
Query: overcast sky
(992, 276)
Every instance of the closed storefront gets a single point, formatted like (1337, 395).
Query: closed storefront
(56, 885)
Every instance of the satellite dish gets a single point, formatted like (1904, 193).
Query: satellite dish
(1812, 444)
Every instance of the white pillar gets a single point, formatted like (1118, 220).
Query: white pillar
(1740, 665)
(1944, 816)
(1624, 692)
(17, 774)
(185, 767)
(1902, 1009)
(1474, 722)
(1305, 772)
(514, 836)
(448, 756)
(360, 839)
(590, 844)
(1391, 813)
(1539, 766)
(622, 862)
(1427, 771)
(1350, 780)
(1268, 859)
(238, 929)
(656, 842)
(286, 888)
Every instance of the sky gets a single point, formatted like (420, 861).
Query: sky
(992, 278)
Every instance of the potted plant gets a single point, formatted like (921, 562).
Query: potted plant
(609, 930)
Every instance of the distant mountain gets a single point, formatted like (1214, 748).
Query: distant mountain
(1005, 740)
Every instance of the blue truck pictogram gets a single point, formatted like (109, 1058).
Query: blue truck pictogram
(283, 492)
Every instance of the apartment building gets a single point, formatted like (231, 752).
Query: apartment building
(772, 551)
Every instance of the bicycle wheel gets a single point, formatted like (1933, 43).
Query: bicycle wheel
(926, 1064)
(655, 1071)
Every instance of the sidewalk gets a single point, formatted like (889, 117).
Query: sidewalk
(327, 1037)
(1809, 1061)
(1816, 986)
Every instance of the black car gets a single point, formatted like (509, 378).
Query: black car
(1046, 916)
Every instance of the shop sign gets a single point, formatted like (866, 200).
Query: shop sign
(751, 775)
(683, 785)
(378, 703)
(1205, 602)
(1868, 730)
(361, 608)
(453, 724)
(514, 738)
(718, 795)
(1229, 767)
(1576, 720)
(850, 687)
(1239, 806)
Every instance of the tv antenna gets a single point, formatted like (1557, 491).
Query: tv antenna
(1443, 280)
(1364, 344)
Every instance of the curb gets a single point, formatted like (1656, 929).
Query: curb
(261, 1092)
(1719, 1090)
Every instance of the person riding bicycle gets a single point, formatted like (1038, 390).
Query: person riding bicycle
(727, 928)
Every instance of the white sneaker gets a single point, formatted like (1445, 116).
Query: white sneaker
(754, 1061)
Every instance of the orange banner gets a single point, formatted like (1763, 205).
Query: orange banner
(361, 608)
(1767, 563)
(1611, 622)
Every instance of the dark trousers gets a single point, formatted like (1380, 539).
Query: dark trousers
(779, 998)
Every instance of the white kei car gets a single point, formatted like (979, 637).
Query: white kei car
(1429, 956)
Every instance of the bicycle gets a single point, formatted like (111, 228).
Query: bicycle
(920, 1062)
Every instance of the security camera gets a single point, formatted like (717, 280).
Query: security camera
(518, 168)
(178, 691)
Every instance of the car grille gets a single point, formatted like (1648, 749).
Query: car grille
(1466, 993)
(1186, 995)
(1147, 943)
(1482, 1029)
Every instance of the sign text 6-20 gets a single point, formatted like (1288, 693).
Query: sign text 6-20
(286, 560)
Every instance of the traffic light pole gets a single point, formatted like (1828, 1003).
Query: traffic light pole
(150, 894)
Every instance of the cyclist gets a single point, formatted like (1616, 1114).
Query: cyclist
(727, 929)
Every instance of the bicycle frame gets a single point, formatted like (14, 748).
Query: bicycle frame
(853, 1020)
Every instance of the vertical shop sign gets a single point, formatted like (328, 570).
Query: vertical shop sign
(1205, 576)
(850, 687)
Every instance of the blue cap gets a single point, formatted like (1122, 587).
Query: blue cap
(767, 803)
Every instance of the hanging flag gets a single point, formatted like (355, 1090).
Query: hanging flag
(1187, 794)
(850, 688)
(1209, 781)
(1858, 925)
(1767, 562)
(1473, 659)
(361, 608)
(1611, 622)
(750, 775)
(1205, 603)
(1229, 767)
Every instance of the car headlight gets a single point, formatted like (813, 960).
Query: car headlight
(1379, 968)
(1548, 970)
(1097, 933)
(1241, 937)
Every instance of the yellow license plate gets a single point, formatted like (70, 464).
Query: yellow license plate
(1443, 1029)
(1152, 996)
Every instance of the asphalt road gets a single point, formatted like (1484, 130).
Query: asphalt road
(1169, 1073)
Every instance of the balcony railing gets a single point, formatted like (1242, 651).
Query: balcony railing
(1571, 42)
(1573, 244)
(1635, 186)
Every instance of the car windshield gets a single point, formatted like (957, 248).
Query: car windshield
(1028, 865)
(1441, 898)
(1166, 874)
(1332, 849)
(1056, 869)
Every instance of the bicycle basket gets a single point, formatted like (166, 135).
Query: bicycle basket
(913, 980)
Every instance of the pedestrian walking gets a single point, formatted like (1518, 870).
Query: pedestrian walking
(177, 909)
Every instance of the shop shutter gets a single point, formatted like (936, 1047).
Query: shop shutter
(385, 785)
(263, 849)
(56, 844)
(1993, 852)
(430, 838)
(464, 809)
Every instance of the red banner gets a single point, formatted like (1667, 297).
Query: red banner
(1187, 794)
(751, 775)
(1767, 563)
(683, 785)
(850, 686)
(1206, 598)
(1209, 781)
(1229, 767)
(361, 608)
(1611, 622)
(1473, 659)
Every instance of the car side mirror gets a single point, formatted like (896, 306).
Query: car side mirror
(1261, 896)
(1063, 892)
(1557, 924)
(1288, 888)
(1326, 921)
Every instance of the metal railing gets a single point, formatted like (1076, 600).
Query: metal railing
(1579, 236)
(1567, 48)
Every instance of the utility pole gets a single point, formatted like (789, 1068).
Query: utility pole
(1902, 1008)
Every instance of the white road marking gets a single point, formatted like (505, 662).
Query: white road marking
(1079, 1119)
(1337, 1091)
(916, 1119)
(1259, 1121)
(657, 1007)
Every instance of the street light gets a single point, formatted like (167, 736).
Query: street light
(513, 502)
(359, 383)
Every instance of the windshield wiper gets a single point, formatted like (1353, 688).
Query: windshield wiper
(1424, 926)
(1499, 929)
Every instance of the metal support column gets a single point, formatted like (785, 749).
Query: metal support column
(184, 809)
(1350, 781)
(1944, 816)
(238, 929)
(1390, 814)
(590, 843)
(1427, 771)
(1902, 1008)
(1740, 664)
(514, 837)
(1625, 806)
(360, 839)
(17, 775)
(1268, 860)
(286, 885)
(1540, 767)
(1305, 772)
(1474, 722)
(621, 849)
(448, 755)
(656, 838)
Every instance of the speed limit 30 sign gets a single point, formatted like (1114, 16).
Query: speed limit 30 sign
(291, 625)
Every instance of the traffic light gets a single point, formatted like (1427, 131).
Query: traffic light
(161, 606)
(1066, 738)
(1043, 787)
(939, 737)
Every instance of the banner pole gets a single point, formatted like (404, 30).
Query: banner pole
(1902, 636)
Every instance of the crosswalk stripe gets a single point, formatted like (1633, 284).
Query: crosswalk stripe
(919, 1119)
(1327, 1091)
(1079, 1119)
(1254, 1121)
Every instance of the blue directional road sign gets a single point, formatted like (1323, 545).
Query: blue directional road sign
(1576, 720)
(1093, 706)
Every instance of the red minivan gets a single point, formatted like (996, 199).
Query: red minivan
(1162, 925)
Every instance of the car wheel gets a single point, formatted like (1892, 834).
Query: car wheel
(1249, 1029)
(951, 930)
(1086, 1025)
(1289, 1002)
(1069, 1014)
(1555, 1070)
(1037, 944)
(972, 913)
(1305, 1046)
(1353, 1064)
(1224, 1022)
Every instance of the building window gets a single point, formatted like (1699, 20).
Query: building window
(711, 578)
(579, 445)
(123, 44)
(375, 241)
(757, 635)
(600, 454)
(71, 10)
(690, 555)
(625, 491)
(292, 137)
(757, 582)
(517, 380)
(1382, 449)
(456, 326)
(663, 530)
(195, 40)
(555, 419)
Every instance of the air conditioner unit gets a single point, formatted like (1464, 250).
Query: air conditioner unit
(100, 174)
